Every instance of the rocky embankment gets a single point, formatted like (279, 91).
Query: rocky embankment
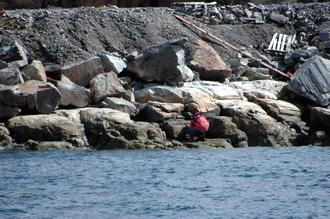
(107, 78)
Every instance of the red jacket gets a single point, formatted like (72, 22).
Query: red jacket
(200, 123)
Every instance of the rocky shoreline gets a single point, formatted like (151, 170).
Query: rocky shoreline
(110, 78)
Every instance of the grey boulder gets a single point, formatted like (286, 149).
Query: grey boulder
(73, 94)
(15, 55)
(34, 71)
(164, 64)
(83, 72)
(164, 94)
(119, 104)
(112, 62)
(224, 127)
(10, 76)
(47, 128)
(33, 95)
(106, 85)
(312, 80)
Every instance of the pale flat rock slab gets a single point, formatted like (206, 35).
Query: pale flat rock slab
(119, 104)
(265, 89)
(241, 106)
(164, 94)
(218, 90)
(91, 115)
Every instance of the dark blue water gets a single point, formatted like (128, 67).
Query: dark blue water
(205, 183)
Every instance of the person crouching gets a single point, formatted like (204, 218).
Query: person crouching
(198, 127)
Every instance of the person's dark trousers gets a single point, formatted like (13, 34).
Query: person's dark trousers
(196, 133)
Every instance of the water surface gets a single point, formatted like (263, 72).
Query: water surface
(201, 183)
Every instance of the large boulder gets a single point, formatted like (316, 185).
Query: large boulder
(106, 85)
(320, 118)
(293, 57)
(15, 55)
(312, 80)
(163, 64)
(119, 104)
(34, 71)
(207, 62)
(224, 127)
(218, 90)
(264, 89)
(33, 95)
(175, 128)
(164, 94)
(159, 112)
(97, 122)
(110, 129)
(286, 113)
(89, 115)
(83, 72)
(7, 112)
(112, 62)
(104, 115)
(73, 94)
(280, 110)
(261, 129)
(199, 99)
(137, 135)
(47, 128)
(10, 76)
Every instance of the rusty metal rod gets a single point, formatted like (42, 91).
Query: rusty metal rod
(222, 42)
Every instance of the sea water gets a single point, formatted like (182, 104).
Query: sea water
(201, 183)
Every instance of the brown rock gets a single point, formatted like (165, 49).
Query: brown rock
(175, 128)
(224, 127)
(83, 72)
(34, 95)
(34, 71)
(261, 129)
(154, 112)
(207, 62)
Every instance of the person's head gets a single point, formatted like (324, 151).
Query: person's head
(196, 115)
